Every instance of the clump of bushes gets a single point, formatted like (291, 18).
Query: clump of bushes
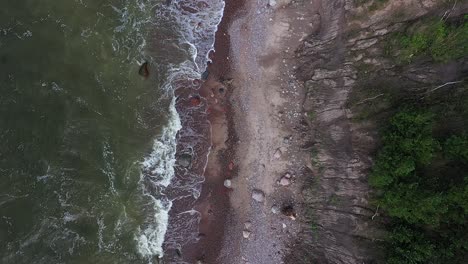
(438, 39)
(422, 184)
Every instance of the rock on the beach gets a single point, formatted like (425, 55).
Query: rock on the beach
(231, 166)
(258, 196)
(248, 225)
(227, 183)
(272, 2)
(246, 234)
(275, 209)
(284, 181)
(277, 154)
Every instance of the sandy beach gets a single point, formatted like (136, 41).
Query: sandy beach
(286, 175)
(250, 197)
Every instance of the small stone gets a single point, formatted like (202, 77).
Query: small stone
(287, 176)
(275, 209)
(284, 225)
(248, 225)
(246, 234)
(271, 3)
(284, 181)
(227, 183)
(277, 154)
(258, 195)
(231, 165)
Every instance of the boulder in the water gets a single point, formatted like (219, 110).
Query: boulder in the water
(184, 160)
(195, 101)
(144, 71)
(205, 75)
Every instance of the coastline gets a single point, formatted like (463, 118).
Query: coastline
(251, 122)
(282, 134)
(213, 202)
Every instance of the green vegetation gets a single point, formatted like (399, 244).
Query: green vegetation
(311, 116)
(377, 4)
(374, 5)
(438, 39)
(423, 186)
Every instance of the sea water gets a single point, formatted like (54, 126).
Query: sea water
(87, 144)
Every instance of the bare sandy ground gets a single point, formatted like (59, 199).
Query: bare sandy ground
(266, 102)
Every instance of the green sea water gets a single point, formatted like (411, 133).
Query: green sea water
(76, 120)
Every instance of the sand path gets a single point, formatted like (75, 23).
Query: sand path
(267, 105)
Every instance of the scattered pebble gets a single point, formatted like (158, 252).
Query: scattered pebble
(227, 183)
(277, 154)
(246, 234)
(275, 209)
(284, 181)
(258, 195)
(248, 225)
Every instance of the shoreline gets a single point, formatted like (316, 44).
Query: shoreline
(281, 132)
(256, 136)
(213, 202)
(250, 121)
(250, 124)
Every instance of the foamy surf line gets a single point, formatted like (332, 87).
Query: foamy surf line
(198, 22)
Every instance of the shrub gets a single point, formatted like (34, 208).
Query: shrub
(428, 203)
(437, 39)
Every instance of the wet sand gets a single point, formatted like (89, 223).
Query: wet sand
(213, 203)
(246, 97)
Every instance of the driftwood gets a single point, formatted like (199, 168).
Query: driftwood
(440, 86)
(369, 99)
(376, 212)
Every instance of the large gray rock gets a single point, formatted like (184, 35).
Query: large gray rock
(258, 195)
(184, 160)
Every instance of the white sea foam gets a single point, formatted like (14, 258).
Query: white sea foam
(197, 31)
(198, 26)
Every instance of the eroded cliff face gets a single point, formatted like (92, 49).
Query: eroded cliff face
(344, 67)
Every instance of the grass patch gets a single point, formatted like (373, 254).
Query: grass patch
(377, 4)
(311, 116)
(440, 40)
(334, 200)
